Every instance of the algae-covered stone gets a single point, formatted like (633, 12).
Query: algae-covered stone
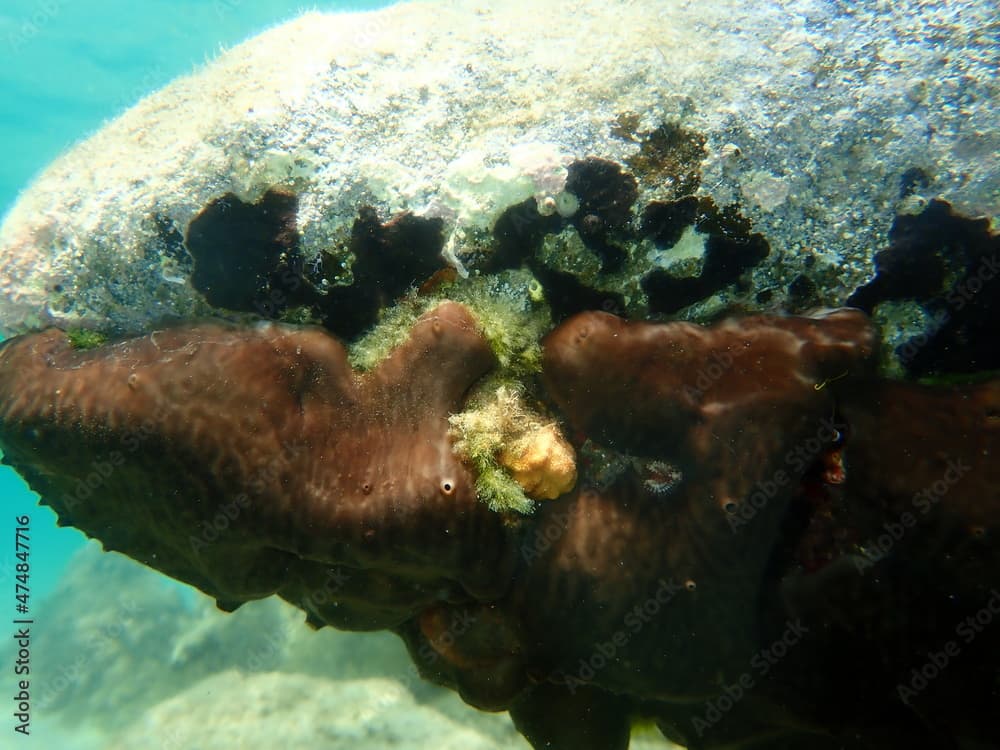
(565, 251)
(806, 115)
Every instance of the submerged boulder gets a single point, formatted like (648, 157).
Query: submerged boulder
(461, 130)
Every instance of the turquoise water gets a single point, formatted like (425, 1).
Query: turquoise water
(66, 68)
(69, 66)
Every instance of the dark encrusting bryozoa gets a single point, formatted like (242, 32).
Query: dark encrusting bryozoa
(731, 249)
(245, 252)
(247, 259)
(950, 264)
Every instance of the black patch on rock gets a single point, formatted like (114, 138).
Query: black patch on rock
(247, 259)
(802, 294)
(670, 155)
(730, 250)
(246, 254)
(606, 195)
(912, 266)
(389, 259)
(664, 223)
(567, 296)
(964, 332)
(603, 190)
(519, 233)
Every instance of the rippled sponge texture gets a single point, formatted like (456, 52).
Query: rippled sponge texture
(248, 461)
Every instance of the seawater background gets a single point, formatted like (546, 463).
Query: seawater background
(66, 67)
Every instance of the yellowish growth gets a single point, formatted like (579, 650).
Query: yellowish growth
(500, 492)
(535, 291)
(513, 336)
(392, 329)
(517, 454)
(509, 309)
(542, 462)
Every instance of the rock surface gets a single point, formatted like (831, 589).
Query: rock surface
(818, 119)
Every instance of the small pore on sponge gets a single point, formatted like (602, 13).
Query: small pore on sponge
(518, 454)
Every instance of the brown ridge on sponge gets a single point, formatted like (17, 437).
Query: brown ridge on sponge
(725, 405)
(250, 461)
(247, 461)
(652, 387)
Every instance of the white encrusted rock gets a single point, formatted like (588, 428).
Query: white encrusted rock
(457, 109)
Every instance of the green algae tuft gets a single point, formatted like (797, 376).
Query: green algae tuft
(85, 338)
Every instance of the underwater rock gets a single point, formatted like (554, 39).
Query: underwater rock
(712, 494)
(120, 639)
(808, 117)
(106, 625)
